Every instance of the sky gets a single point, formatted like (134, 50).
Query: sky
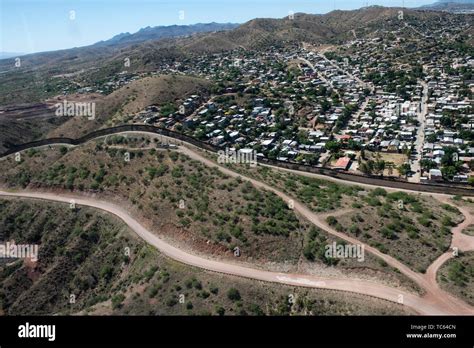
(28, 26)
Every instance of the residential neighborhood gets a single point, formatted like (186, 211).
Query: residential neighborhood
(335, 109)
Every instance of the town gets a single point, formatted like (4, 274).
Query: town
(366, 106)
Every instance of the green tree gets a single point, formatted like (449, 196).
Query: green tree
(333, 146)
(367, 167)
(427, 164)
(470, 180)
(404, 169)
(379, 164)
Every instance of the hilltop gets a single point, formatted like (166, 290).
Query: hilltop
(150, 44)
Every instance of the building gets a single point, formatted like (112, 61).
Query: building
(343, 163)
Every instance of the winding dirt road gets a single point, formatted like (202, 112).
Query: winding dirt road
(435, 301)
(433, 292)
(421, 305)
(460, 241)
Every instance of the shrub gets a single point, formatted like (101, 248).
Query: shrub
(171, 301)
(378, 192)
(233, 294)
(450, 208)
(456, 273)
(354, 229)
(117, 301)
(424, 221)
(331, 220)
(446, 221)
(255, 309)
(220, 310)
(387, 233)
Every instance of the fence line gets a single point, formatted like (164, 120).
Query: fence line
(355, 178)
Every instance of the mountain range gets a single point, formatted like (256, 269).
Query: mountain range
(149, 48)
(454, 6)
(160, 32)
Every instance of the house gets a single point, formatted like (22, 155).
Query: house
(343, 163)
(394, 145)
(267, 143)
(343, 138)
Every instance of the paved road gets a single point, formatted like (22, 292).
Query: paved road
(420, 135)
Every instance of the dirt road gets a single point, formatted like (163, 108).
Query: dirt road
(433, 292)
(459, 242)
(419, 304)
(435, 301)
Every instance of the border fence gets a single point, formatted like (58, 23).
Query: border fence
(397, 183)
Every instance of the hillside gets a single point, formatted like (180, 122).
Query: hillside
(217, 213)
(147, 52)
(416, 234)
(25, 123)
(84, 268)
(30, 122)
(457, 276)
(44, 75)
(333, 27)
(132, 98)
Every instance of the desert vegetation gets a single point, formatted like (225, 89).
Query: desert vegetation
(191, 205)
(90, 263)
(415, 229)
(457, 276)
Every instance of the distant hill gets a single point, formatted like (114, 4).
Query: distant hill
(455, 2)
(334, 27)
(5, 55)
(160, 32)
(454, 6)
(149, 48)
